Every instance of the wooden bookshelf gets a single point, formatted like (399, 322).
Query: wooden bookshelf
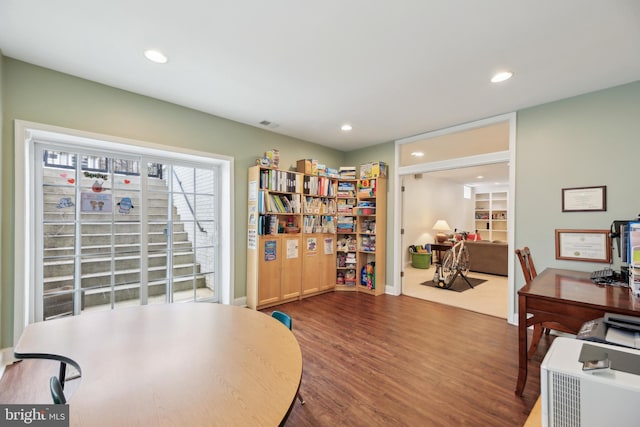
(367, 240)
(297, 238)
(346, 240)
(290, 236)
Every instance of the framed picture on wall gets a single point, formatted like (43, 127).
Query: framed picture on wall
(583, 245)
(584, 199)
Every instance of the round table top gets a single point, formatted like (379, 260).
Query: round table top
(173, 364)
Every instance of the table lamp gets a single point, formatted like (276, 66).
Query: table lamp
(441, 226)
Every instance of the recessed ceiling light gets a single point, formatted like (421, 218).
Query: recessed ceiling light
(479, 177)
(501, 76)
(417, 154)
(156, 56)
(346, 127)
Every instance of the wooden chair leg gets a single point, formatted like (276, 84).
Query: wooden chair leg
(535, 340)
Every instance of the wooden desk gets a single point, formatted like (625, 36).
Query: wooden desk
(569, 298)
(438, 249)
(186, 364)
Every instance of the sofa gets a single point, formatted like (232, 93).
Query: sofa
(488, 257)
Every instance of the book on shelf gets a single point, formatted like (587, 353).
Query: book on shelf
(318, 224)
(347, 172)
(267, 224)
(320, 206)
(278, 203)
(318, 186)
(282, 181)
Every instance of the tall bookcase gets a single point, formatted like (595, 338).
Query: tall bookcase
(290, 236)
(318, 234)
(361, 235)
(490, 215)
(347, 237)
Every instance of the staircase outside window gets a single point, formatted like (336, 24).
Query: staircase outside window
(120, 230)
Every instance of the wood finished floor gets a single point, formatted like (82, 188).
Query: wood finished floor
(380, 361)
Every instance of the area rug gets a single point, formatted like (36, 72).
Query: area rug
(459, 285)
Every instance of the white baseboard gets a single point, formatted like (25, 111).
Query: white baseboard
(242, 301)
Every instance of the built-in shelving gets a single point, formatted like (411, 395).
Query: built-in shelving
(490, 215)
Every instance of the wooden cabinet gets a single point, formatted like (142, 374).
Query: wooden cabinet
(279, 269)
(490, 215)
(290, 236)
(318, 263)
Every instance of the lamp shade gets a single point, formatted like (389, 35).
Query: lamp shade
(441, 225)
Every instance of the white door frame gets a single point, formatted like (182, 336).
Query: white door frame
(482, 159)
(24, 308)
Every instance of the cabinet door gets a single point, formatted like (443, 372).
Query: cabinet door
(269, 269)
(312, 264)
(328, 259)
(291, 266)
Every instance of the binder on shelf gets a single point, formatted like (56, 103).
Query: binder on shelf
(633, 239)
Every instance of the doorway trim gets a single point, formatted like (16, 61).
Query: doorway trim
(23, 249)
(483, 159)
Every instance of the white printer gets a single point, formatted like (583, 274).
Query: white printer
(590, 384)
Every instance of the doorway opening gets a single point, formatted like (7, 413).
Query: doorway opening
(438, 179)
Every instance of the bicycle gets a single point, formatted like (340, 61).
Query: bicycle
(454, 264)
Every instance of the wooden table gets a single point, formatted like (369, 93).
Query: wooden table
(438, 249)
(186, 364)
(569, 298)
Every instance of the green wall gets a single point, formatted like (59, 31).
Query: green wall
(41, 95)
(588, 140)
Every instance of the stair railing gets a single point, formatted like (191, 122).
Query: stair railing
(186, 199)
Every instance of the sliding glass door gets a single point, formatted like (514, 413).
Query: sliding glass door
(117, 229)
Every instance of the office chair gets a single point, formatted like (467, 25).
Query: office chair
(56, 391)
(285, 319)
(529, 273)
(528, 269)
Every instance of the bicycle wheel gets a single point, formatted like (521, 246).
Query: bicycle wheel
(463, 260)
(448, 270)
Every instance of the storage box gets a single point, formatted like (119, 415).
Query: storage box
(308, 166)
(373, 170)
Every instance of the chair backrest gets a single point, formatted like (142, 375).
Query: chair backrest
(283, 317)
(57, 393)
(528, 269)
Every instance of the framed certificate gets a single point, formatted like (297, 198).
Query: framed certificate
(584, 199)
(583, 245)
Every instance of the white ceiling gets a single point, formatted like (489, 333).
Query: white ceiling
(391, 69)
